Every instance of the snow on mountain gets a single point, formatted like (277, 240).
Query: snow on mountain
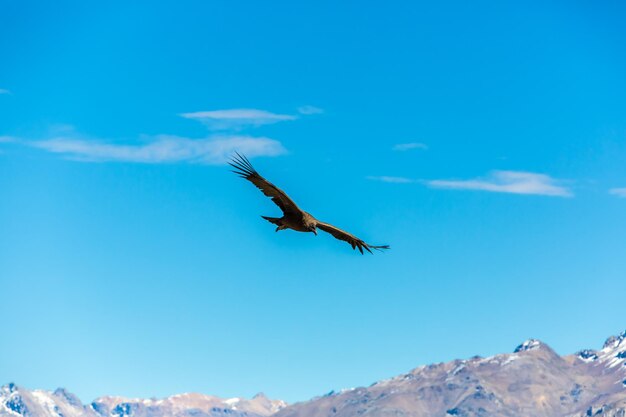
(179, 405)
(587, 355)
(613, 352)
(15, 401)
(18, 402)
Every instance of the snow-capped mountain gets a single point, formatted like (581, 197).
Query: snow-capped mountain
(18, 402)
(533, 381)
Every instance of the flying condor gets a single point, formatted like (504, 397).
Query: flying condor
(293, 217)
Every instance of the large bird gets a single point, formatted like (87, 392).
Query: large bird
(293, 217)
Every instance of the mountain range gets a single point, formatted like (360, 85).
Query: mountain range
(18, 402)
(532, 381)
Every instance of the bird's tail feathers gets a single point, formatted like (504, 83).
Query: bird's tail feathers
(275, 220)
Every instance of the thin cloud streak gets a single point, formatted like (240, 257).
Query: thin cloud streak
(6, 139)
(514, 182)
(393, 180)
(310, 110)
(403, 147)
(236, 118)
(4, 91)
(619, 192)
(163, 149)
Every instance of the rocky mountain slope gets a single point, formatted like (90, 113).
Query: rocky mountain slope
(533, 381)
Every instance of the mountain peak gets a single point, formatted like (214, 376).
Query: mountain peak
(67, 396)
(9, 388)
(614, 341)
(530, 344)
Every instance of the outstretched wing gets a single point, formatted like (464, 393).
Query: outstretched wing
(354, 241)
(244, 169)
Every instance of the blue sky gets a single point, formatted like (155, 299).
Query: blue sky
(485, 143)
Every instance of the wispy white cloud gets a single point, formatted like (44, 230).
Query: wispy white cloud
(310, 110)
(4, 91)
(515, 182)
(213, 149)
(402, 147)
(163, 149)
(237, 118)
(620, 192)
(394, 180)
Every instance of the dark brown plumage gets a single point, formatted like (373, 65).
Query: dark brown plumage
(293, 217)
